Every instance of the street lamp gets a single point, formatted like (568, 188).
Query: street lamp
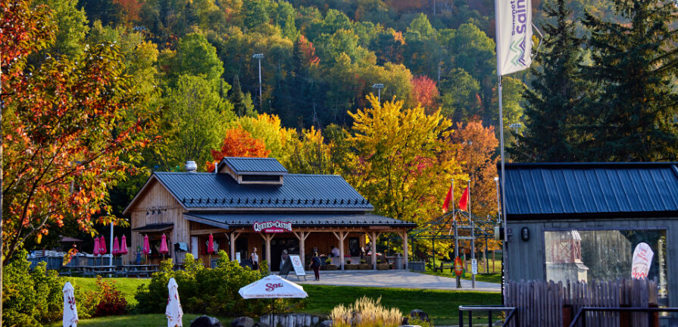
(259, 56)
(378, 86)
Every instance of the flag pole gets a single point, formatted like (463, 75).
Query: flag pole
(456, 238)
(504, 255)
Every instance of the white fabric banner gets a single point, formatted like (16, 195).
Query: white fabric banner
(514, 35)
(642, 259)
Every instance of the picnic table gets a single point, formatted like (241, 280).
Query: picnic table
(120, 270)
(137, 270)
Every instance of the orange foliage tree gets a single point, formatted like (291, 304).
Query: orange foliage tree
(68, 133)
(238, 143)
(425, 91)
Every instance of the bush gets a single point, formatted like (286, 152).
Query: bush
(30, 298)
(204, 290)
(365, 312)
(105, 300)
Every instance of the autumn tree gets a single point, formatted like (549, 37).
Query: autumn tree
(311, 154)
(400, 168)
(238, 143)
(425, 91)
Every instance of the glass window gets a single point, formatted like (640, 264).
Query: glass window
(588, 255)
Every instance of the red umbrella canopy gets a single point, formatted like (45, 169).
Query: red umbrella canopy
(123, 245)
(116, 246)
(147, 246)
(102, 245)
(96, 246)
(210, 245)
(163, 245)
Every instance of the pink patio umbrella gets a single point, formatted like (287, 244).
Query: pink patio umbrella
(102, 248)
(116, 246)
(163, 246)
(147, 248)
(210, 248)
(96, 250)
(123, 245)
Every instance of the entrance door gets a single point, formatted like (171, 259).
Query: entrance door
(241, 247)
(277, 246)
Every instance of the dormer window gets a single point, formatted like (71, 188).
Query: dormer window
(264, 171)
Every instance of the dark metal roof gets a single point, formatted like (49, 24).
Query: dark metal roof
(254, 166)
(299, 192)
(570, 190)
(230, 220)
(154, 228)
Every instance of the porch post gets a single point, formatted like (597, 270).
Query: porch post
(267, 238)
(403, 235)
(373, 247)
(301, 236)
(233, 237)
(341, 237)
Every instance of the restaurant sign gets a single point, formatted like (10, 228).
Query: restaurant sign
(276, 226)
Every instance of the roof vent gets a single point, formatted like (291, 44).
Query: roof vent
(191, 166)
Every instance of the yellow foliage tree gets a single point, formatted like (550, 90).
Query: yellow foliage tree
(267, 128)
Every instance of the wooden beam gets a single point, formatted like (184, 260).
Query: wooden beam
(301, 236)
(233, 237)
(373, 245)
(267, 238)
(207, 231)
(341, 237)
(403, 235)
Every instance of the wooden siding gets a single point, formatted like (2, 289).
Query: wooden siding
(156, 206)
(526, 260)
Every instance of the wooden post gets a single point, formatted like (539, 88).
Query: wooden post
(403, 235)
(341, 237)
(232, 238)
(301, 236)
(267, 238)
(373, 247)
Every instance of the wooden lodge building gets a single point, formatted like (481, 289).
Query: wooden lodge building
(254, 203)
(582, 221)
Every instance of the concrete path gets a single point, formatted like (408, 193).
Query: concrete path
(391, 278)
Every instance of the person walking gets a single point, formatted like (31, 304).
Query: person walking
(315, 265)
(254, 257)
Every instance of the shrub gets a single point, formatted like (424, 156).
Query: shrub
(30, 298)
(365, 312)
(212, 291)
(105, 300)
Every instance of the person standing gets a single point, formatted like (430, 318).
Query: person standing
(283, 258)
(254, 257)
(315, 265)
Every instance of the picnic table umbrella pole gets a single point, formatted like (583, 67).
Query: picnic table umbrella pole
(123, 245)
(70, 316)
(95, 251)
(102, 248)
(147, 249)
(210, 248)
(272, 287)
(116, 247)
(163, 246)
(173, 310)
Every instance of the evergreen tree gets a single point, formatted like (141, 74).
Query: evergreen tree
(635, 61)
(237, 98)
(555, 92)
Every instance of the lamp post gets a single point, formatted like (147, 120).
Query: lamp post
(259, 56)
(378, 86)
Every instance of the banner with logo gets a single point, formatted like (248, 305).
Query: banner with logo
(514, 35)
(276, 226)
(642, 259)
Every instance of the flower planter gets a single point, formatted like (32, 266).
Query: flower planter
(329, 267)
(364, 266)
(351, 266)
(383, 266)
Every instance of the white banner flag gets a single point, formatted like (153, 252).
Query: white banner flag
(514, 35)
(642, 260)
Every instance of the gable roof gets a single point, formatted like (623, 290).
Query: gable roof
(300, 192)
(571, 190)
(253, 166)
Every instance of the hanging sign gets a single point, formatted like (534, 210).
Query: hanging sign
(474, 266)
(458, 266)
(276, 226)
(642, 259)
(298, 266)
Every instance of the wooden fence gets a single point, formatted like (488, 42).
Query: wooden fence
(541, 303)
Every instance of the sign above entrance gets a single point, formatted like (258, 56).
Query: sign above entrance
(273, 226)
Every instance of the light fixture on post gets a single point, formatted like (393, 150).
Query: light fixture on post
(259, 56)
(378, 86)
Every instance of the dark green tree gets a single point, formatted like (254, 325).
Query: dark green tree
(555, 92)
(237, 98)
(635, 61)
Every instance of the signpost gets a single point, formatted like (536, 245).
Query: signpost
(474, 267)
(298, 266)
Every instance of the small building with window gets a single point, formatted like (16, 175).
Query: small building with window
(582, 221)
(250, 203)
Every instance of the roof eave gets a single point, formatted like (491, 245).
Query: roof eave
(143, 190)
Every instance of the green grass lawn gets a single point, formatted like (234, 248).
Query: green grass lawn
(440, 305)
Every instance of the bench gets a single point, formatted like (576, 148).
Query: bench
(443, 266)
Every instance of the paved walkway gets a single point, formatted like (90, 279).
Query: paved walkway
(391, 278)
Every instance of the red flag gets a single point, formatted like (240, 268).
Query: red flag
(448, 198)
(463, 201)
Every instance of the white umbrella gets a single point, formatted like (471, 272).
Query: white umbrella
(70, 310)
(173, 310)
(272, 287)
